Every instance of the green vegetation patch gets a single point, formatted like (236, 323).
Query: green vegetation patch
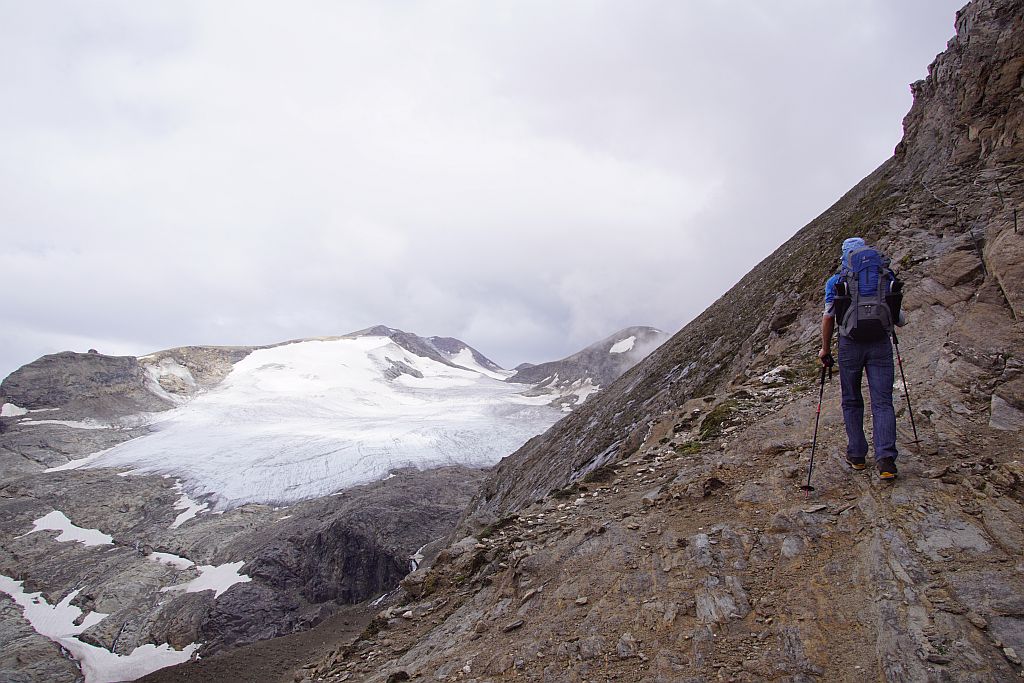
(721, 416)
(689, 448)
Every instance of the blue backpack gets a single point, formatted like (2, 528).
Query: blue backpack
(868, 296)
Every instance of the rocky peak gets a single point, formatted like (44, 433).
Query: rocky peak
(441, 349)
(452, 347)
(601, 363)
(967, 110)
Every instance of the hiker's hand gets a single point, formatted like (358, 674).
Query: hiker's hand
(825, 356)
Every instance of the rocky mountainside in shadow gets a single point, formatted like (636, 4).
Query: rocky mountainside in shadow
(657, 533)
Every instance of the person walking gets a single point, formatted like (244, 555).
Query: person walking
(862, 300)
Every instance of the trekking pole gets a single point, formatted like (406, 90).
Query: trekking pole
(906, 392)
(817, 416)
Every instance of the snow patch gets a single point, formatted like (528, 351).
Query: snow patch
(416, 559)
(385, 596)
(623, 345)
(585, 390)
(168, 367)
(62, 622)
(776, 375)
(58, 521)
(52, 621)
(74, 424)
(172, 560)
(465, 359)
(11, 410)
(189, 507)
(216, 578)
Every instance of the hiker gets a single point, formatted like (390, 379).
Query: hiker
(865, 297)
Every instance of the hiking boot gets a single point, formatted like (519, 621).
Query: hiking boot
(856, 462)
(886, 468)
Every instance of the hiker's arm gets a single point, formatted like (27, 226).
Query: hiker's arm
(828, 324)
(828, 321)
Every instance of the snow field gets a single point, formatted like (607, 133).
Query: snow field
(11, 410)
(189, 507)
(623, 345)
(465, 359)
(58, 521)
(307, 419)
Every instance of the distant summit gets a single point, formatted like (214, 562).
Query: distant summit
(577, 376)
(446, 350)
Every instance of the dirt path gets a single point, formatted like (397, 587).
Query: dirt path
(270, 661)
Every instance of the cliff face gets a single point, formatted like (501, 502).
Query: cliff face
(657, 533)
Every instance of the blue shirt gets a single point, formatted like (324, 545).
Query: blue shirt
(830, 295)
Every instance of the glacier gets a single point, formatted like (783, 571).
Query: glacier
(309, 418)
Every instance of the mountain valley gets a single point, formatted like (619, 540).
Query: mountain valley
(206, 497)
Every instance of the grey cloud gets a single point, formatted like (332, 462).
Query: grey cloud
(527, 177)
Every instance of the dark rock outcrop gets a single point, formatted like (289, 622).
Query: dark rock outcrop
(93, 384)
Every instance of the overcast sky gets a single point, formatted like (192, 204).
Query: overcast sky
(526, 176)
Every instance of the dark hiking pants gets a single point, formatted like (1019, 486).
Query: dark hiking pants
(876, 359)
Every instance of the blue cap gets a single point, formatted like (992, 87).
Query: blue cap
(849, 245)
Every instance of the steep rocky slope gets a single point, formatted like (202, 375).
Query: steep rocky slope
(942, 208)
(658, 534)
